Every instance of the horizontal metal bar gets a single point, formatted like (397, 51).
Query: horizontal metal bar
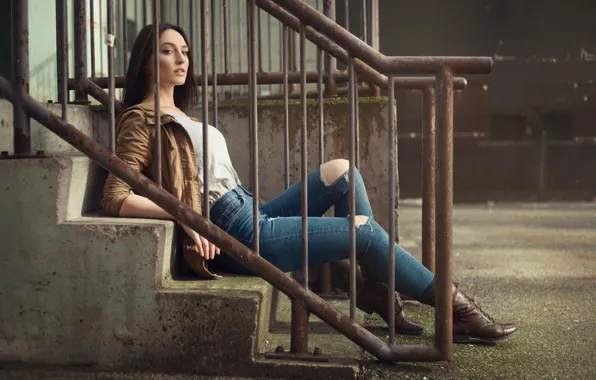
(100, 95)
(384, 64)
(231, 79)
(238, 251)
(367, 72)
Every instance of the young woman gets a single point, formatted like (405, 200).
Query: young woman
(231, 204)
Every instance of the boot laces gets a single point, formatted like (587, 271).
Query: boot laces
(484, 313)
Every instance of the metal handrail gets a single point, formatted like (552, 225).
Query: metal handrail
(361, 59)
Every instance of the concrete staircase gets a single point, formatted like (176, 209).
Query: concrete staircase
(78, 289)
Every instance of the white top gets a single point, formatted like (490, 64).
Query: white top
(222, 176)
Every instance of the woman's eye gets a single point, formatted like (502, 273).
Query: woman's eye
(185, 53)
(167, 51)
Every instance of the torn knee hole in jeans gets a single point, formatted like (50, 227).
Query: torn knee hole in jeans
(361, 220)
(345, 175)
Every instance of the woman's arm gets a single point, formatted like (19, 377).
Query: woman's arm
(137, 206)
(134, 146)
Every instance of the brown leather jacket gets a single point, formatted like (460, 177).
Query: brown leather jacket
(135, 139)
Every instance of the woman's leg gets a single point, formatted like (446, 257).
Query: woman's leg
(328, 241)
(327, 186)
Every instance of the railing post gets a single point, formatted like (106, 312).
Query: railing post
(80, 49)
(111, 87)
(62, 54)
(204, 7)
(156, 103)
(253, 121)
(299, 338)
(428, 178)
(444, 213)
(20, 80)
(374, 36)
(330, 61)
(353, 125)
(392, 145)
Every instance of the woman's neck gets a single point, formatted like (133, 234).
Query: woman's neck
(166, 97)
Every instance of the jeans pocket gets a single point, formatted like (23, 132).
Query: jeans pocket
(231, 208)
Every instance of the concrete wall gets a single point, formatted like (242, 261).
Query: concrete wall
(373, 114)
(86, 120)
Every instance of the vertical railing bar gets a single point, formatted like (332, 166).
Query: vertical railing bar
(178, 14)
(91, 35)
(347, 15)
(330, 61)
(205, 104)
(391, 172)
(374, 35)
(110, 38)
(253, 120)
(62, 54)
(286, 88)
(428, 178)
(156, 105)
(364, 22)
(269, 49)
(191, 31)
(240, 39)
(124, 39)
(352, 198)
(259, 41)
(299, 321)
(145, 11)
(225, 33)
(80, 48)
(304, 153)
(325, 272)
(444, 213)
(20, 81)
(357, 117)
(213, 63)
(320, 106)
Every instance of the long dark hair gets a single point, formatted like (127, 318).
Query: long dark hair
(136, 82)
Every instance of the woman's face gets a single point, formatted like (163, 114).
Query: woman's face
(173, 59)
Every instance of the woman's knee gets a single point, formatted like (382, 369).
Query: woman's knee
(361, 220)
(332, 170)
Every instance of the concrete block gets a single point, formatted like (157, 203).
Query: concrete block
(85, 290)
(82, 117)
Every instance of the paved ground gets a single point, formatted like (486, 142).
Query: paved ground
(532, 265)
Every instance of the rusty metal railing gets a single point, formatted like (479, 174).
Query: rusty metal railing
(363, 61)
(197, 222)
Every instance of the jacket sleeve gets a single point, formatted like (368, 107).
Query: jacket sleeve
(134, 145)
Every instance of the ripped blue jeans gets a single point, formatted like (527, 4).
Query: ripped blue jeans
(280, 229)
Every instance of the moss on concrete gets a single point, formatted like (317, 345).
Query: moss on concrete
(294, 102)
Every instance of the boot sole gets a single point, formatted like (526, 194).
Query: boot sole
(408, 332)
(458, 338)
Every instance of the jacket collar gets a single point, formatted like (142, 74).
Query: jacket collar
(149, 112)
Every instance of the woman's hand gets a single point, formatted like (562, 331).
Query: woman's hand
(207, 250)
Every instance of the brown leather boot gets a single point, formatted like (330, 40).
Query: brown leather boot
(472, 325)
(372, 297)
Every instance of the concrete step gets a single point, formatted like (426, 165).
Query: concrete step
(78, 289)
